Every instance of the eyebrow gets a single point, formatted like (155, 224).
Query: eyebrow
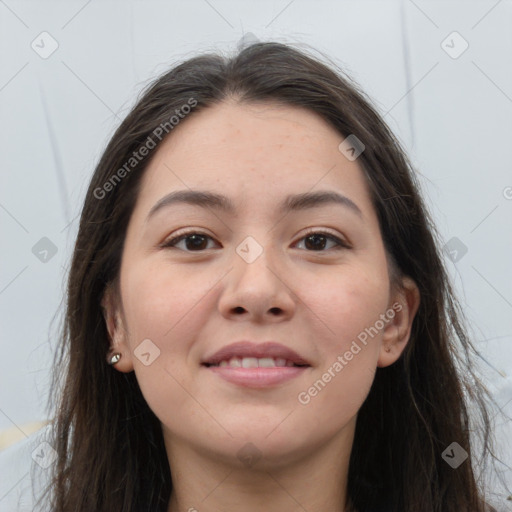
(297, 202)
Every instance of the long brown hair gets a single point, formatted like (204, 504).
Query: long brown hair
(111, 455)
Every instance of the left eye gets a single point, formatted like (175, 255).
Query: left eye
(195, 241)
(318, 240)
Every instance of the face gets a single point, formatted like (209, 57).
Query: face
(312, 278)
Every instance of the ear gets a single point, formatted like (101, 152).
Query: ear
(404, 302)
(112, 314)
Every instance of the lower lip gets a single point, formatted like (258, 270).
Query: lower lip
(258, 377)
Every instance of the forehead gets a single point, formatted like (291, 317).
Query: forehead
(253, 151)
(250, 131)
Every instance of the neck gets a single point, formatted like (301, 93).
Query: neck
(313, 481)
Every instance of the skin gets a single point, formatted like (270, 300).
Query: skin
(190, 303)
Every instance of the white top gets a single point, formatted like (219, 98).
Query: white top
(24, 470)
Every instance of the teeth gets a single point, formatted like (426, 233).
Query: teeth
(235, 362)
(266, 362)
(254, 362)
(249, 362)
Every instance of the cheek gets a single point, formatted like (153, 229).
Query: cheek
(169, 308)
(348, 302)
(349, 352)
(350, 305)
(162, 303)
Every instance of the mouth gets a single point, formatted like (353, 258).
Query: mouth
(253, 365)
(255, 362)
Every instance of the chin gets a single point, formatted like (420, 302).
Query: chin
(264, 446)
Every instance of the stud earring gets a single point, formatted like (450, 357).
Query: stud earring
(114, 358)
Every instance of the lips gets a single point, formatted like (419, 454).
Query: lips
(256, 365)
(246, 350)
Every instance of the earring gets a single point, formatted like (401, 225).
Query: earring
(114, 359)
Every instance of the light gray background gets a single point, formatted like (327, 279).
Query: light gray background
(454, 115)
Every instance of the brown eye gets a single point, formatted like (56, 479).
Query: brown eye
(193, 242)
(317, 241)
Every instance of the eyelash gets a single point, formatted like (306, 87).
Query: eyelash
(170, 244)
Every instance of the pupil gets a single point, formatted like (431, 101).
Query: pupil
(316, 245)
(197, 241)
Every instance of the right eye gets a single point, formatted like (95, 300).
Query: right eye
(194, 241)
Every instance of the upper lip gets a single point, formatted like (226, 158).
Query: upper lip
(259, 350)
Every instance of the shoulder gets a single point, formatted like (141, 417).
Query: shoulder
(25, 470)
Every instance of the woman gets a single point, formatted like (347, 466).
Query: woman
(258, 314)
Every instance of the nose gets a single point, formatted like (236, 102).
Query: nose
(258, 291)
